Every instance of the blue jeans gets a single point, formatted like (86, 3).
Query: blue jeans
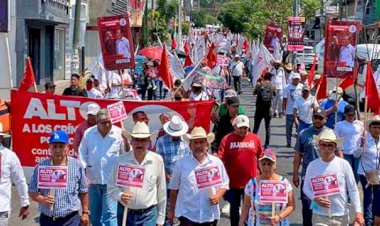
(70, 221)
(307, 213)
(145, 218)
(289, 128)
(354, 162)
(369, 197)
(102, 206)
(302, 125)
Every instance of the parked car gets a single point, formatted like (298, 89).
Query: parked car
(306, 56)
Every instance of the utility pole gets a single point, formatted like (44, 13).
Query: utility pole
(77, 33)
(321, 19)
(179, 24)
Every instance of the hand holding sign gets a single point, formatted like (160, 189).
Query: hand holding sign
(323, 201)
(126, 197)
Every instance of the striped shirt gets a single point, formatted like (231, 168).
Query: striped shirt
(66, 200)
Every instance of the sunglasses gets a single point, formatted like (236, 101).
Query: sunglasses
(327, 145)
(318, 117)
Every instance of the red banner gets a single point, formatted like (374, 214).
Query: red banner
(34, 116)
(296, 30)
(340, 48)
(116, 42)
(272, 37)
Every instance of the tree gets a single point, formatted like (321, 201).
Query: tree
(309, 8)
(201, 17)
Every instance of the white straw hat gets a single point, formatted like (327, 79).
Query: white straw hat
(176, 127)
(327, 135)
(140, 130)
(198, 133)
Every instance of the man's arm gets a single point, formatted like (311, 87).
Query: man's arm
(295, 116)
(296, 166)
(173, 201)
(85, 213)
(161, 194)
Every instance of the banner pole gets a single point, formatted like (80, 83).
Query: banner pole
(273, 209)
(125, 212)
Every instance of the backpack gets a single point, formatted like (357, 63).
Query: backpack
(265, 94)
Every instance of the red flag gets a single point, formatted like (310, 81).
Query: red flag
(211, 56)
(174, 42)
(28, 80)
(186, 48)
(245, 44)
(188, 61)
(322, 88)
(312, 71)
(347, 82)
(164, 70)
(371, 93)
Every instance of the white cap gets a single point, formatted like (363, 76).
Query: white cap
(241, 121)
(92, 109)
(230, 93)
(296, 75)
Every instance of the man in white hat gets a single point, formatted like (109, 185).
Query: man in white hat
(11, 172)
(237, 69)
(197, 93)
(330, 206)
(146, 199)
(239, 151)
(291, 92)
(316, 80)
(334, 105)
(279, 82)
(198, 183)
(92, 110)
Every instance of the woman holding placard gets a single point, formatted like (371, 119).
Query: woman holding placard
(265, 200)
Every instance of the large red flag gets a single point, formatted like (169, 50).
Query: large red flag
(312, 71)
(28, 80)
(164, 70)
(186, 47)
(174, 42)
(188, 61)
(211, 56)
(347, 82)
(245, 45)
(371, 93)
(322, 88)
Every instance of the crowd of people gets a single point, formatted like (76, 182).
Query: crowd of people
(181, 176)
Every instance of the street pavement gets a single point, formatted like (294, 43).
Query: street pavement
(278, 144)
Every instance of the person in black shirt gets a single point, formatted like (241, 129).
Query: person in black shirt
(74, 89)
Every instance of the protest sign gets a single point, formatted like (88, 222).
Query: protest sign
(273, 191)
(272, 37)
(130, 176)
(52, 177)
(296, 30)
(208, 177)
(117, 112)
(325, 185)
(116, 42)
(340, 48)
(36, 115)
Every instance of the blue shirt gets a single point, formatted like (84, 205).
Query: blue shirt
(171, 151)
(327, 104)
(66, 200)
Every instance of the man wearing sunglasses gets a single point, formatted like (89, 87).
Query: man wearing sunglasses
(306, 151)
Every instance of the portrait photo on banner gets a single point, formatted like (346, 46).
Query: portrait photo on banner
(340, 48)
(116, 42)
(273, 37)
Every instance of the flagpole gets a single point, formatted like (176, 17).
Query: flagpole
(35, 87)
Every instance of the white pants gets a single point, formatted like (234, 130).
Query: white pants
(277, 101)
(320, 220)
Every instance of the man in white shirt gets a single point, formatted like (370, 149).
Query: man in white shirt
(115, 85)
(122, 45)
(347, 53)
(197, 93)
(291, 92)
(146, 199)
(330, 206)
(91, 91)
(303, 109)
(194, 199)
(11, 172)
(237, 68)
(279, 81)
(99, 149)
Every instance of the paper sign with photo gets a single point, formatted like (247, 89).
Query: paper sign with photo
(208, 177)
(130, 176)
(52, 177)
(273, 191)
(325, 185)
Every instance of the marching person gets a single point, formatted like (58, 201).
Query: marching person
(306, 151)
(188, 202)
(146, 205)
(303, 109)
(92, 110)
(279, 81)
(62, 208)
(256, 213)
(369, 169)
(11, 173)
(197, 93)
(332, 210)
(237, 68)
(99, 149)
(74, 89)
(239, 151)
(350, 130)
(334, 105)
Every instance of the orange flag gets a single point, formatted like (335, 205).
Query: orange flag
(164, 70)
(371, 93)
(28, 80)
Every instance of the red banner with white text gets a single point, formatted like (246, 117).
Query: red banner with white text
(34, 116)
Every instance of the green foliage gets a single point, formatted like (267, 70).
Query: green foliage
(251, 16)
(185, 28)
(201, 17)
(309, 8)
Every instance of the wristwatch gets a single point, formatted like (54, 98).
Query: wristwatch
(86, 212)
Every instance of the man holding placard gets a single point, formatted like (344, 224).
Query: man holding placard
(138, 182)
(327, 181)
(59, 186)
(198, 183)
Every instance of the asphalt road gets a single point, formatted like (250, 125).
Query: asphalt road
(278, 144)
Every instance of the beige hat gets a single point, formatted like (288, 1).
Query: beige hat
(198, 133)
(176, 127)
(140, 130)
(375, 118)
(336, 89)
(327, 135)
(316, 77)
(241, 121)
(2, 131)
(289, 66)
(275, 62)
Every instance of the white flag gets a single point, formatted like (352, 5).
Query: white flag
(176, 66)
(260, 61)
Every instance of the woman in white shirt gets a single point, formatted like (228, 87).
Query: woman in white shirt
(368, 169)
